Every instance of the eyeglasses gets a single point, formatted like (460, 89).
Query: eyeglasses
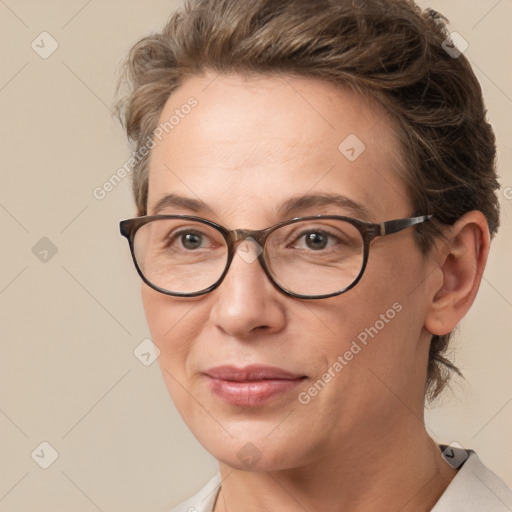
(306, 257)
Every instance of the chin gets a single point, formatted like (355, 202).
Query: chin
(254, 451)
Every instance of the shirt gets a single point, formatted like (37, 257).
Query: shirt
(475, 488)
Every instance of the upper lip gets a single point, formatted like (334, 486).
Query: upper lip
(250, 373)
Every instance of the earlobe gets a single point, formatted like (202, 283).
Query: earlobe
(462, 256)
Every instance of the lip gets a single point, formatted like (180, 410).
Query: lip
(251, 385)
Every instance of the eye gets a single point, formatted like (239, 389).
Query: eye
(316, 240)
(191, 240)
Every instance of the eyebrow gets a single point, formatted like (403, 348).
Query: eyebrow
(292, 206)
(295, 204)
(175, 201)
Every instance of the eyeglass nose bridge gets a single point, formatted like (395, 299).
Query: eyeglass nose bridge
(237, 236)
(256, 238)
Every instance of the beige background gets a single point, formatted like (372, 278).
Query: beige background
(68, 375)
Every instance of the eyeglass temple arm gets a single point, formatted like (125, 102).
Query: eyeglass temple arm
(394, 226)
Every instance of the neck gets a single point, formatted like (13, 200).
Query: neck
(399, 470)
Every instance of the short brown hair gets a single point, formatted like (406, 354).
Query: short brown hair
(390, 49)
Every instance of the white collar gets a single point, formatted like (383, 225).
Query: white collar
(474, 488)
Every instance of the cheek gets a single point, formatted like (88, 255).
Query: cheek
(157, 315)
(172, 327)
(390, 313)
(382, 317)
(370, 355)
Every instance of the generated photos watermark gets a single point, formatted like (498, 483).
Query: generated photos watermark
(100, 192)
(355, 348)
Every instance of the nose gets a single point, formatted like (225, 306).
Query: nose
(246, 302)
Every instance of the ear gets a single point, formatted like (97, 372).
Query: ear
(461, 257)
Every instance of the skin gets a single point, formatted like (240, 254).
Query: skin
(360, 444)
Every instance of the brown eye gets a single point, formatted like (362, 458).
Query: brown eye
(316, 240)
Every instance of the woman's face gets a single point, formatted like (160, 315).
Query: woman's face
(343, 369)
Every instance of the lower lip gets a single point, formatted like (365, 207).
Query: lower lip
(251, 393)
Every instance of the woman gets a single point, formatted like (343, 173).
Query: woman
(277, 142)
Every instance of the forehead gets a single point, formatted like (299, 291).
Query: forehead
(250, 143)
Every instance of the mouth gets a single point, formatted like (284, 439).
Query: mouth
(251, 385)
